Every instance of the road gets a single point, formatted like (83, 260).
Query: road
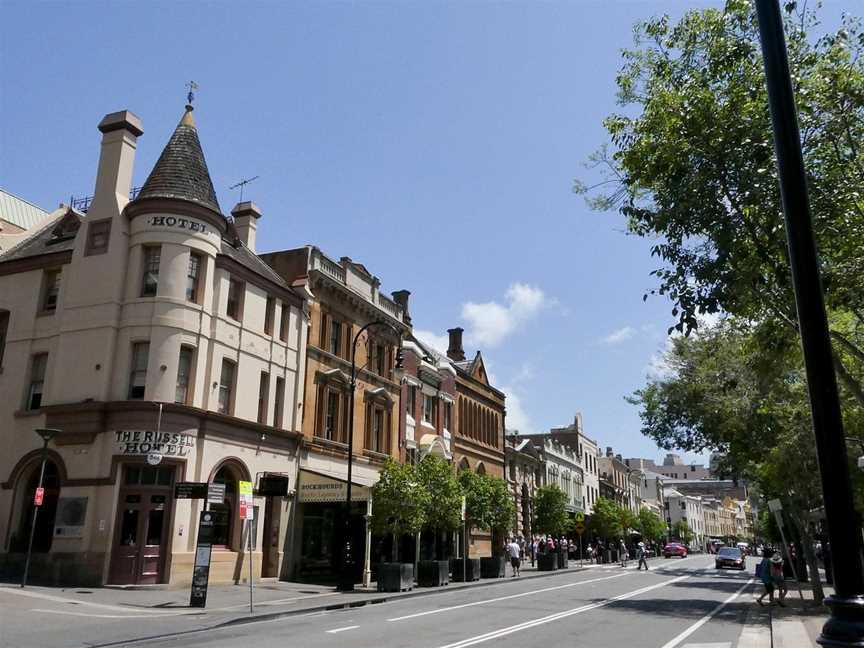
(678, 604)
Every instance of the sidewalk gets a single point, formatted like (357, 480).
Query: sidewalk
(795, 626)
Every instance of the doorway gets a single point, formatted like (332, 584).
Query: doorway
(270, 538)
(141, 526)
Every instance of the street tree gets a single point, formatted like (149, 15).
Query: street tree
(488, 504)
(691, 167)
(550, 510)
(443, 505)
(399, 503)
(682, 531)
(605, 521)
(651, 526)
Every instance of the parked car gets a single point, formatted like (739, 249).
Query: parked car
(674, 549)
(730, 557)
(744, 547)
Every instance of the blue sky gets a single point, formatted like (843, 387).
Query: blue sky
(434, 142)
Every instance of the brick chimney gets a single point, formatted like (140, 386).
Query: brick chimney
(246, 215)
(455, 350)
(401, 298)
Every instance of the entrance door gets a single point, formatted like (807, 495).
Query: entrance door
(141, 527)
(270, 537)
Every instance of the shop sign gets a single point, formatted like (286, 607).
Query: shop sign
(190, 490)
(154, 444)
(201, 566)
(315, 487)
(270, 485)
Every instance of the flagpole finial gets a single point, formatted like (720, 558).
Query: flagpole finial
(190, 97)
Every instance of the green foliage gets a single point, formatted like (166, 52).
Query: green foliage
(550, 510)
(651, 526)
(606, 519)
(681, 530)
(399, 500)
(488, 504)
(443, 505)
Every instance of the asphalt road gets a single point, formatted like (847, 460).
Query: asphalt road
(679, 603)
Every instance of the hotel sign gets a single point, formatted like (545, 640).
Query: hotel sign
(178, 223)
(150, 443)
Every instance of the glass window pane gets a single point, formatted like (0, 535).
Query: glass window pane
(133, 475)
(165, 476)
(129, 528)
(155, 520)
(148, 476)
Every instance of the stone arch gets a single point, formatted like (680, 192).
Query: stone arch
(463, 464)
(25, 478)
(481, 469)
(227, 528)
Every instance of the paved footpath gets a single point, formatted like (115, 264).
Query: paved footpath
(678, 604)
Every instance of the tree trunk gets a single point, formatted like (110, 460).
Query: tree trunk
(810, 558)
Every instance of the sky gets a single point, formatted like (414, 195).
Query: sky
(434, 142)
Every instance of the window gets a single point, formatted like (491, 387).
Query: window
(50, 290)
(225, 533)
(409, 402)
(193, 275)
(263, 393)
(4, 327)
(448, 407)
(331, 423)
(376, 430)
(335, 337)
(97, 237)
(278, 402)
(381, 359)
(269, 314)
(138, 370)
(429, 409)
(37, 381)
(235, 299)
(226, 387)
(150, 280)
(184, 375)
(283, 323)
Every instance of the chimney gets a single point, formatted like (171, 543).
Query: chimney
(120, 132)
(401, 298)
(455, 350)
(609, 452)
(246, 215)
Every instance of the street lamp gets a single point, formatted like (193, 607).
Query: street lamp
(845, 626)
(47, 434)
(346, 582)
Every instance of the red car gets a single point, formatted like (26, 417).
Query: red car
(674, 549)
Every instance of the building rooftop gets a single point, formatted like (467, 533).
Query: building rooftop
(20, 212)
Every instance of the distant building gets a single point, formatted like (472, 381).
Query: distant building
(20, 219)
(686, 508)
(617, 482)
(525, 472)
(588, 453)
(672, 467)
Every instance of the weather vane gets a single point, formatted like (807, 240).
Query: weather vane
(191, 96)
(242, 184)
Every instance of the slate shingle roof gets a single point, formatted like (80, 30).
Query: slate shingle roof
(181, 171)
(57, 235)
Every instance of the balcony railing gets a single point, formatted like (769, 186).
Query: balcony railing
(356, 283)
(83, 204)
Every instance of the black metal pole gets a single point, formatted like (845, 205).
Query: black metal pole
(35, 513)
(845, 627)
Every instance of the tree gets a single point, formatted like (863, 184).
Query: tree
(443, 504)
(605, 521)
(488, 503)
(399, 502)
(550, 510)
(681, 530)
(692, 167)
(651, 526)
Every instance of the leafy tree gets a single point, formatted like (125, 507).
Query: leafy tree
(691, 167)
(651, 526)
(681, 530)
(399, 502)
(628, 519)
(550, 510)
(443, 504)
(503, 508)
(488, 503)
(605, 521)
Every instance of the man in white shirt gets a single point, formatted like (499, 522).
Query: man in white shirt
(514, 550)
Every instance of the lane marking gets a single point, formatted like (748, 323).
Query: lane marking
(503, 598)
(335, 630)
(681, 637)
(495, 634)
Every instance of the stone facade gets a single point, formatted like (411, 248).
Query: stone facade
(525, 473)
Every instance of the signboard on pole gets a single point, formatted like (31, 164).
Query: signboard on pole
(579, 528)
(39, 496)
(774, 505)
(190, 490)
(201, 566)
(463, 508)
(215, 493)
(245, 492)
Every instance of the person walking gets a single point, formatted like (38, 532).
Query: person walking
(778, 578)
(514, 551)
(763, 572)
(641, 554)
(622, 551)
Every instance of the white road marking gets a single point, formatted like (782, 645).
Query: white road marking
(495, 634)
(335, 630)
(503, 598)
(681, 637)
(722, 644)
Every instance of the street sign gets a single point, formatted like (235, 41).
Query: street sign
(201, 566)
(463, 508)
(580, 516)
(215, 493)
(246, 510)
(270, 485)
(190, 490)
(579, 528)
(774, 505)
(37, 498)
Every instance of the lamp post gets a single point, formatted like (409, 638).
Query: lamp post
(845, 626)
(46, 434)
(346, 581)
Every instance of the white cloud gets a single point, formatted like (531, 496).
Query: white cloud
(517, 417)
(489, 323)
(621, 335)
(437, 342)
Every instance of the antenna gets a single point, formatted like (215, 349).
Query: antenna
(242, 184)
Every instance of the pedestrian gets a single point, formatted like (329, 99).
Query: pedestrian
(514, 550)
(640, 553)
(763, 572)
(622, 551)
(778, 578)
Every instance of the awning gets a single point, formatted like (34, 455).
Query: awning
(434, 444)
(318, 487)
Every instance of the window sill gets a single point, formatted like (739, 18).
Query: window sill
(25, 413)
(376, 456)
(46, 313)
(330, 443)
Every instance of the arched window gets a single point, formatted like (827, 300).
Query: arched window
(44, 531)
(226, 529)
(464, 465)
(481, 469)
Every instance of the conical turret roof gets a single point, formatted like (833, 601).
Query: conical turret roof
(181, 171)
